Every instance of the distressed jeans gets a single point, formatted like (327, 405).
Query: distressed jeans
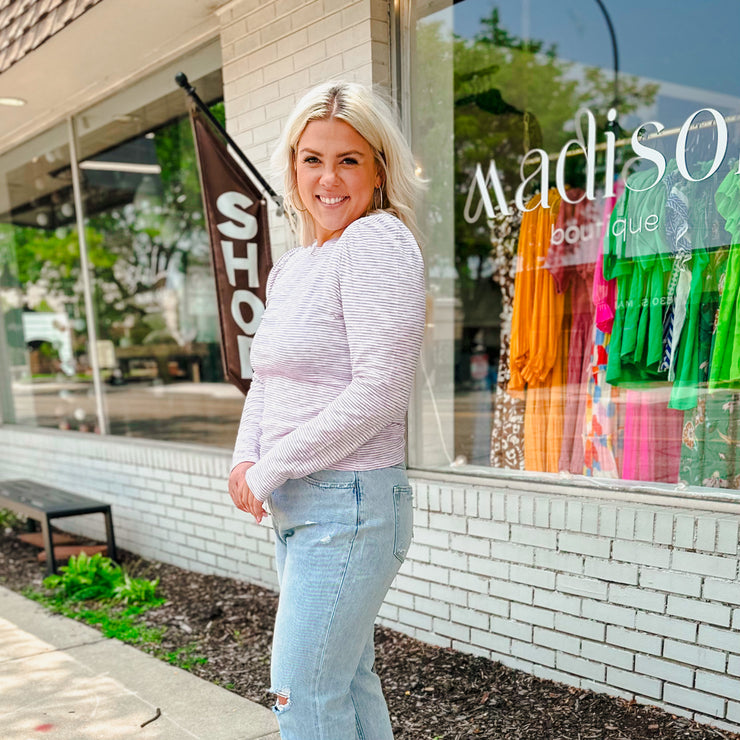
(341, 536)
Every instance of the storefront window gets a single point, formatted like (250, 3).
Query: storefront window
(151, 285)
(44, 356)
(579, 221)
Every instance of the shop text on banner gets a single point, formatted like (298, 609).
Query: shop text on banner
(236, 215)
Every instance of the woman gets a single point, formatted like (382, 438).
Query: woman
(322, 434)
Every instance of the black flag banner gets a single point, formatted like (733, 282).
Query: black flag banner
(236, 215)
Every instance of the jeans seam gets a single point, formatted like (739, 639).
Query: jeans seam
(336, 600)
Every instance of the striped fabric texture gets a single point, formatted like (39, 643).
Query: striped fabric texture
(334, 357)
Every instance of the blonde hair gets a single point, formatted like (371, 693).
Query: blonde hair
(374, 120)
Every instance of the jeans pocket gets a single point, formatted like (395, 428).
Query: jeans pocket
(403, 505)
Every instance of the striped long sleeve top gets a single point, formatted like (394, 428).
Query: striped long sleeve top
(334, 356)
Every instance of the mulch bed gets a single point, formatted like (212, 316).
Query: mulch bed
(433, 693)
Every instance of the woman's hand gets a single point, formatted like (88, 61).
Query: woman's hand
(240, 494)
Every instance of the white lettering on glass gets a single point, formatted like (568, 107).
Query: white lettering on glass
(543, 169)
(480, 184)
(721, 144)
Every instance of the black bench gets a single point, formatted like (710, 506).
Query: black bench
(44, 503)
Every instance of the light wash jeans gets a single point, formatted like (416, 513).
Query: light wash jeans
(341, 536)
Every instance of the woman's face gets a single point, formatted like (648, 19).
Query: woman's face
(336, 175)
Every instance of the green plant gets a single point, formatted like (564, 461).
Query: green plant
(86, 578)
(9, 519)
(185, 657)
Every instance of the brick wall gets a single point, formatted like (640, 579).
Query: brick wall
(636, 600)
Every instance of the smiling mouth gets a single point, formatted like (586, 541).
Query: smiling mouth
(332, 201)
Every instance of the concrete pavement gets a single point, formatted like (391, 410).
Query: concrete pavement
(62, 680)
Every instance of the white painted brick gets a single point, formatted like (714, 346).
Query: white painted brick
(448, 594)
(526, 510)
(470, 582)
(587, 628)
(663, 528)
(508, 627)
(556, 601)
(733, 665)
(434, 504)
(484, 505)
(600, 653)
(489, 529)
(693, 655)
(534, 536)
(706, 533)
(580, 667)
(626, 523)
(498, 506)
(432, 573)
(535, 576)
(428, 637)
(684, 531)
(608, 521)
(513, 552)
(699, 610)
(716, 683)
(583, 544)
(445, 493)
(733, 711)
(724, 591)
(637, 597)
(542, 512)
(448, 522)
(449, 559)
(716, 723)
(644, 525)
(458, 501)
(634, 682)
(728, 536)
(736, 619)
(488, 604)
(557, 514)
(432, 537)
(708, 565)
(590, 519)
(512, 507)
(570, 563)
(510, 591)
(420, 553)
(608, 613)
(488, 567)
(665, 669)
(663, 626)
(414, 619)
(412, 585)
(451, 630)
(466, 647)
(639, 642)
(468, 617)
(533, 615)
(556, 641)
(471, 507)
(533, 653)
(551, 675)
(573, 515)
(581, 586)
(490, 641)
(607, 570)
(407, 601)
(471, 545)
(637, 552)
(682, 697)
(667, 580)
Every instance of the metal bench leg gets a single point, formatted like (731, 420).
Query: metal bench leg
(51, 563)
(112, 553)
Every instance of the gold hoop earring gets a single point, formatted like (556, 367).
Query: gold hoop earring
(375, 205)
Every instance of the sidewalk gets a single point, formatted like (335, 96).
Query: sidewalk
(62, 680)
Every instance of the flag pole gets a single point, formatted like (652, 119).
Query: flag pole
(182, 81)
